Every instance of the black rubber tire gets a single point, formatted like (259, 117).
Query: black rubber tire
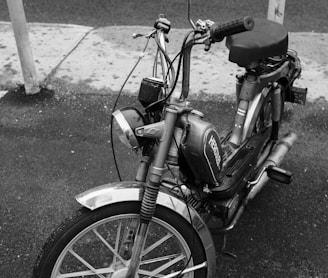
(84, 218)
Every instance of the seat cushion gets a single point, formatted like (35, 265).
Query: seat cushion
(268, 38)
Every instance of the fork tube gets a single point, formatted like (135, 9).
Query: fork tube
(157, 169)
(170, 77)
(148, 204)
(155, 63)
(161, 38)
(143, 169)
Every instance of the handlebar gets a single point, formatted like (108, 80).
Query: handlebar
(219, 31)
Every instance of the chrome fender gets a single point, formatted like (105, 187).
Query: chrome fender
(127, 191)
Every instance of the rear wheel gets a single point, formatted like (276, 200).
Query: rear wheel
(99, 244)
(262, 117)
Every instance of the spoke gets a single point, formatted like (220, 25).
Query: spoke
(189, 269)
(148, 274)
(86, 263)
(117, 242)
(167, 265)
(156, 244)
(87, 273)
(109, 247)
(159, 259)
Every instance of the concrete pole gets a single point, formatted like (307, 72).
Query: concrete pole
(18, 19)
(276, 10)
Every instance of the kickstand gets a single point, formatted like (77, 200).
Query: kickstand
(223, 249)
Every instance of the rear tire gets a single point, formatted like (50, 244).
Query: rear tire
(262, 118)
(92, 240)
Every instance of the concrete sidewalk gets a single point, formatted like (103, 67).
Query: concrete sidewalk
(103, 57)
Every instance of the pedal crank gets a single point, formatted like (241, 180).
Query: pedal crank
(279, 174)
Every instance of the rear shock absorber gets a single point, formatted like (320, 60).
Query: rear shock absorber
(276, 111)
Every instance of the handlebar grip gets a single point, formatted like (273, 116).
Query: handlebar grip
(219, 31)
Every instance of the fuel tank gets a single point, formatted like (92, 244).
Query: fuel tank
(201, 147)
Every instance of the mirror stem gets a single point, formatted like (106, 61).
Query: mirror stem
(189, 16)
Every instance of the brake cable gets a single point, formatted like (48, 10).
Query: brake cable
(160, 101)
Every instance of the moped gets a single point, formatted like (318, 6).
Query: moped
(190, 174)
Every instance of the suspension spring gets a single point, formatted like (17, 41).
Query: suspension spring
(148, 204)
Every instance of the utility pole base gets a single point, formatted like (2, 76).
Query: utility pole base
(18, 19)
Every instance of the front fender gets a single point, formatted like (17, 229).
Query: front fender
(126, 191)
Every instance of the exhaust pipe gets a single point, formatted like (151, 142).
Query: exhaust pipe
(274, 159)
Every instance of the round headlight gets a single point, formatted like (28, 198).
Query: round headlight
(125, 122)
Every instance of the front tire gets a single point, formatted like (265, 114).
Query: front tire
(90, 244)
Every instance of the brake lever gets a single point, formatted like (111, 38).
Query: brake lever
(137, 35)
(148, 35)
(203, 27)
(208, 44)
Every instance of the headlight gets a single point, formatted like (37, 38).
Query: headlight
(125, 122)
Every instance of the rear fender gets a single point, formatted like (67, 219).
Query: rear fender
(127, 191)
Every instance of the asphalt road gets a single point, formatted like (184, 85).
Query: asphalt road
(55, 146)
(300, 15)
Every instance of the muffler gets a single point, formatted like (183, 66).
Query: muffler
(274, 159)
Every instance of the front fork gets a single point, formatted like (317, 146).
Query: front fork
(148, 204)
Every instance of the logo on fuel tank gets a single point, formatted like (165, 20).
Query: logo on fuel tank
(216, 151)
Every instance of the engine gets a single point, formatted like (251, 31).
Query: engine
(202, 149)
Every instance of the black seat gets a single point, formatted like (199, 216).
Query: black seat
(268, 38)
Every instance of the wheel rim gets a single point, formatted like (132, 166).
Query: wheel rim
(95, 251)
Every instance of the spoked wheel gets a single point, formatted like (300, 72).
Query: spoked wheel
(99, 244)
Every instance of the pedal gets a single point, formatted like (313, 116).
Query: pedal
(297, 95)
(279, 174)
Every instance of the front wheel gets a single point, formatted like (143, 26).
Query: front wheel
(99, 244)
